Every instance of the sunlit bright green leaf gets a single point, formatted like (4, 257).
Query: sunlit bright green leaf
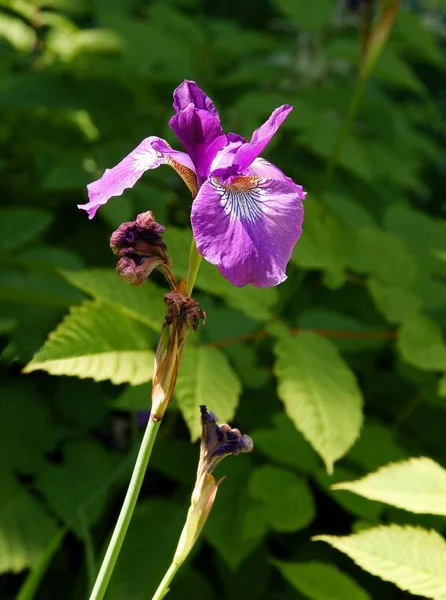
(206, 377)
(412, 558)
(320, 394)
(96, 340)
(417, 485)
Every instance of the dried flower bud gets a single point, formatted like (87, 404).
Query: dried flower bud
(140, 247)
(217, 441)
(184, 309)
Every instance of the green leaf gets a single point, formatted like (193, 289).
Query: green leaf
(321, 581)
(79, 484)
(25, 528)
(285, 498)
(25, 440)
(324, 243)
(421, 344)
(282, 443)
(96, 340)
(206, 377)
(234, 516)
(376, 446)
(412, 558)
(383, 255)
(144, 304)
(442, 387)
(41, 289)
(18, 226)
(395, 303)
(297, 12)
(320, 394)
(417, 485)
(421, 232)
(20, 35)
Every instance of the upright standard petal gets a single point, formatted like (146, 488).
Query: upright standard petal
(197, 125)
(150, 154)
(249, 228)
(249, 151)
(187, 93)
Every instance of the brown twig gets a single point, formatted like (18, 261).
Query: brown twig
(333, 333)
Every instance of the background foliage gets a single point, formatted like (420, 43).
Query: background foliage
(356, 328)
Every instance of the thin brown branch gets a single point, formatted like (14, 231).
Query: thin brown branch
(332, 333)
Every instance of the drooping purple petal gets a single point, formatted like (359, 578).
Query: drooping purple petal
(261, 137)
(149, 154)
(197, 125)
(248, 229)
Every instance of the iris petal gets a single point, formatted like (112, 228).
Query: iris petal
(149, 154)
(248, 229)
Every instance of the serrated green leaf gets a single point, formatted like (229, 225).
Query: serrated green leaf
(144, 304)
(96, 340)
(417, 485)
(206, 377)
(321, 581)
(320, 394)
(395, 303)
(421, 344)
(25, 528)
(78, 484)
(285, 498)
(412, 558)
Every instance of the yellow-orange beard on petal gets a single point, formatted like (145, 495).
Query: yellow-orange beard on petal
(242, 183)
(186, 174)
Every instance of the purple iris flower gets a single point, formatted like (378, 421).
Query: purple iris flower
(247, 215)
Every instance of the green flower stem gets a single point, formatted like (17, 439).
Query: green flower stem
(127, 509)
(163, 587)
(194, 265)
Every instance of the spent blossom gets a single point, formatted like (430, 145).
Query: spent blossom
(217, 442)
(246, 214)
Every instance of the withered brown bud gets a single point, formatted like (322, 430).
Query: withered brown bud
(140, 247)
(183, 309)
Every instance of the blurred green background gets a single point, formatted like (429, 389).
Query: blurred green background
(81, 84)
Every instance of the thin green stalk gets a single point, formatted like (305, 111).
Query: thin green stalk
(352, 110)
(127, 509)
(163, 587)
(194, 265)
